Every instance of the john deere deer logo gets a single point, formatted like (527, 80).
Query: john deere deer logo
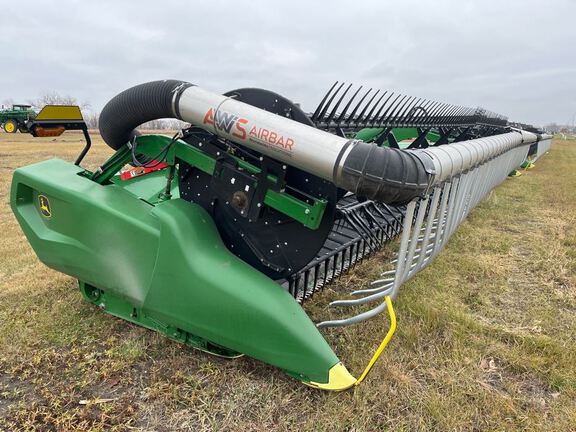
(44, 206)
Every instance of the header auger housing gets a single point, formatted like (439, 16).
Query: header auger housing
(235, 220)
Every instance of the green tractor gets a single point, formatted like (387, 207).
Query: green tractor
(15, 118)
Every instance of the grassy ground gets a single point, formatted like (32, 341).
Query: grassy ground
(485, 338)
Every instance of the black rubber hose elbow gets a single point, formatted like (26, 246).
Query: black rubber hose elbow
(388, 175)
(137, 105)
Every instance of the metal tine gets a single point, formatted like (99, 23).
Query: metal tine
(321, 104)
(414, 239)
(428, 233)
(457, 193)
(333, 113)
(384, 280)
(353, 113)
(444, 107)
(360, 225)
(400, 108)
(383, 216)
(404, 114)
(403, 250)
(374, 290)
(447, 114)
(391, 213)
(388, 272)
(385, 114)
(461, 116)
(443, 116)
(355, 319)
(362, 300)
(458, 115)
(417, 109)
(392, 108)
(414, 110)
(343, 113)
(323, 112)
(361, 117)
(428, 107)
(471, 115)
(438, 113)
(432, 111)
(366, 235)
(369, 117)
(375, 222)
(399, 118)
(394, 114)
(377, 114)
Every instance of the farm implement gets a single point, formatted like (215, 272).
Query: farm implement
(225, 228)
(51, 121)
(13, 119)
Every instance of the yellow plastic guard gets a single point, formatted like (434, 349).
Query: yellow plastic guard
(387, 338)
(339, 378)
(60, 112)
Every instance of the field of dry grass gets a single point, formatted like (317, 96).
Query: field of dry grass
(485, 336)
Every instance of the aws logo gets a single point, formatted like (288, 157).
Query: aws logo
(226, 122)
(44, 206)
(237, 126)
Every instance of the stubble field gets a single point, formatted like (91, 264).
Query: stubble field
(485, 339)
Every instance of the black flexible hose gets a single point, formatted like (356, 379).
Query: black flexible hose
(388, 175)
(140, 104)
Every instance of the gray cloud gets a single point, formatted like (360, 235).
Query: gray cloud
(514, 57)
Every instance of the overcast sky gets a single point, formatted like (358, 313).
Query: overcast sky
(515, 57)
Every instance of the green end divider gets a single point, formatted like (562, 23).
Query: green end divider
(165, 267)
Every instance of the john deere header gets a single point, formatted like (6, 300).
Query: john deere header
(216, 236)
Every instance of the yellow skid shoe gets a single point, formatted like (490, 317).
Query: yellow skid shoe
(339, 378)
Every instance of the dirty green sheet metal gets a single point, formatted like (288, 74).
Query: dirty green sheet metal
(162, 264)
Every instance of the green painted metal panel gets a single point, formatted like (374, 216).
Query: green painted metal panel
(401, 134)
(168, 261)
(308, 213)
(148, 187)
(368, 134)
